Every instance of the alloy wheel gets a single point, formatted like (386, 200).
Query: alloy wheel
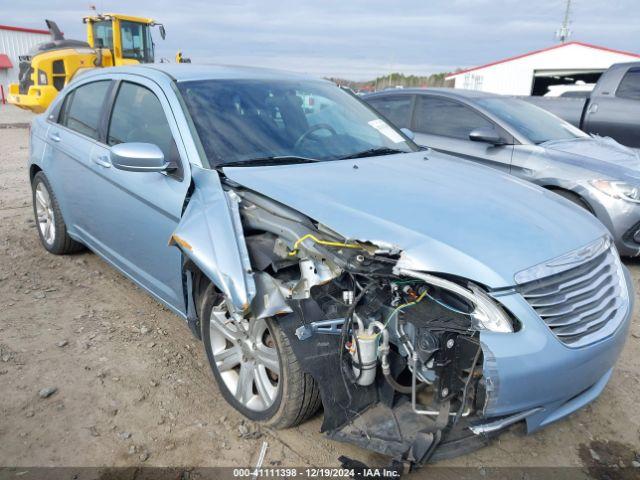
(246, 357)
(44, 212)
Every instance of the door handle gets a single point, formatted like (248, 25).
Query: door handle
(102, 160)
(54, 136)
(593, 108)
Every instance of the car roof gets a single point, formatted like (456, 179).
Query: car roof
(182, 72)
(448, 92)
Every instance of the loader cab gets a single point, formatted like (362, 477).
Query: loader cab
(112, 40)
(128, 39)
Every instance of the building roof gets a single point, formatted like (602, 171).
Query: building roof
(22, 29)
(535, 52)
(5, 62)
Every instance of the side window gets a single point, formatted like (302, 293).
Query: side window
(630, 85)
(396, 108)
(82, 108)
(103, 34)
(137, 116)
(439, 116)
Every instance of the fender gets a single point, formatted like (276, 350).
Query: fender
(210, 235)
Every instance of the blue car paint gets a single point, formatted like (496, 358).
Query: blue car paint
(444, 216)
(208, 235)
(532, 368)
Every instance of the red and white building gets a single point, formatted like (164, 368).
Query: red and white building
(532, 73)
(14, 42)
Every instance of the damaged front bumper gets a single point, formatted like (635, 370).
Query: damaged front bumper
(527, 376)
(532, 369)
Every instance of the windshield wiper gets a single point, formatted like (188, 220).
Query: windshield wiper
(267, 161)
(373, 152)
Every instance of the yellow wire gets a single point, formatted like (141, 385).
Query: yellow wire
(321, 242)
(404, 305)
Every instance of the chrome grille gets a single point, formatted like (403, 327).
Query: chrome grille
(581, 304)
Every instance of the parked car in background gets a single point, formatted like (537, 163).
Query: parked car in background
(516, 137)
(612, 109)
(323, 259)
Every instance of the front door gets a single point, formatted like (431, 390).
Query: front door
(445, 125)
(136, 213)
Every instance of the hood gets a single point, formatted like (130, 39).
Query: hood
(601, 155)
(445, 215)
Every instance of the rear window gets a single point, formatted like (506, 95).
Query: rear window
(82, 108)
(630, 85)
(395, 108)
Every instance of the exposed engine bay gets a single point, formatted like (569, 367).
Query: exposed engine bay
(396, 353)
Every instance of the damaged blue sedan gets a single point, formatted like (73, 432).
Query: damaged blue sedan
(326, 260)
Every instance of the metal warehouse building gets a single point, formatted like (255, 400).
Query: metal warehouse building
(14, 42)
(532, 73)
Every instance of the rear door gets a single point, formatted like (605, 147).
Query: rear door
(136, 213)
(445, 124)
(617, 115)
(73, 139)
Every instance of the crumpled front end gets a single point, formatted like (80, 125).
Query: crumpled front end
(413, 364)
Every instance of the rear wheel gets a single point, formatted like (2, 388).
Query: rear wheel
(51, 227)
(254, 366)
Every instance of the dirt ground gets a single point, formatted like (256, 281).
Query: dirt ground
(134, 387)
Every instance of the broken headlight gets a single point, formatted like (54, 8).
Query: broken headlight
(488, 315)
(485, 313)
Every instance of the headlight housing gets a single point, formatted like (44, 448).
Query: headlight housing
(486, 313)
(616, 189)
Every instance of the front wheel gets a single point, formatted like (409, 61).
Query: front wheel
(574, 198)
(254, 366)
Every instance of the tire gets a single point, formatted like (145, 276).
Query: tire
(294, 394)
(49, 222)
(573, 198)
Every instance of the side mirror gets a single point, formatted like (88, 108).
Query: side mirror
(487, 135)
(163, 33)
(138, 157)
(409, 133)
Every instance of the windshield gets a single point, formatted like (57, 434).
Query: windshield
(534, 123)
(136, 41)
(242, 120)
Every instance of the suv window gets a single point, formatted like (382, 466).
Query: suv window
(83, 106)
(630, 85)
(138, 116)
(439, 116)
(397, 109)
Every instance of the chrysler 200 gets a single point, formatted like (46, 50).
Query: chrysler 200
(325, 260)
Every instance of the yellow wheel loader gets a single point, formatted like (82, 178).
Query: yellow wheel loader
(112, 40)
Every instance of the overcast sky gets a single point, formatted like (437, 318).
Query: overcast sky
(354, 39)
